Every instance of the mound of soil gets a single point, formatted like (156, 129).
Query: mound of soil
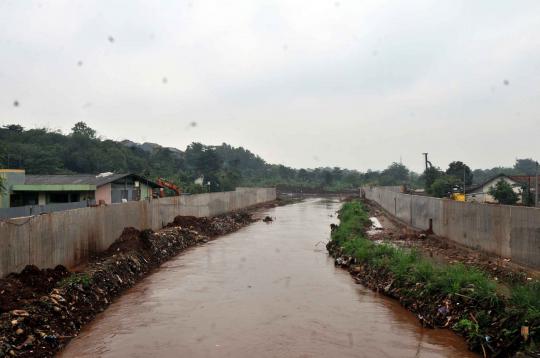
(128, 240)
(30, 283)
(41, 310)
(215, 226)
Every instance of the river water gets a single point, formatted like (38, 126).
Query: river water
(268, 290)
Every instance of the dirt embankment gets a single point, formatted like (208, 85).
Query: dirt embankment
(41, 310)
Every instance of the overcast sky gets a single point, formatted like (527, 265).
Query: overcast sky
(310, 83)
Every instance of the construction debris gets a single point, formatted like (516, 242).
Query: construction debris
(41, 310)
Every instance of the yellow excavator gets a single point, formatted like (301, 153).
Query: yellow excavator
(457, 196)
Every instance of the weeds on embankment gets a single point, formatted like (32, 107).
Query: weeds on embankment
(454, 296)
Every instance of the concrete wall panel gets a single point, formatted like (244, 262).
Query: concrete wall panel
(507, 231)
(70, 237)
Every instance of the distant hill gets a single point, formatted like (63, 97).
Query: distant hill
(42, 151)
(151, 147)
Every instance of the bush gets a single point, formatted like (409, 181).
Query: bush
(504, 193)
(443, 186)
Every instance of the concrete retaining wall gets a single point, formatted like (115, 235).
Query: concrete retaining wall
(18, 211)
(69, 237)
(508, 231)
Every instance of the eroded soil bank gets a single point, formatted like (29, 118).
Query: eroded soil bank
(41, 310)
(268, 290)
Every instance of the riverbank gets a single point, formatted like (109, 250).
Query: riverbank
(444, 251)
(455, 296)
(268, 290)
(42, 310)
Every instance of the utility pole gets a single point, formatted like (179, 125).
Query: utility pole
(425, 159)
(464, 183)
(536, 189)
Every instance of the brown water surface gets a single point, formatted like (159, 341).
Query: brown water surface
(269, 290)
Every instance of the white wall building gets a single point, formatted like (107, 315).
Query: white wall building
(480, 193)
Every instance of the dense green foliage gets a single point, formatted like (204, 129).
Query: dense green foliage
(406, 265)
(42, 151)
(460, 170)
(442, 183)
(504, 193)
(443, 186)
(485, 314)
(521, 167)
(429, 176)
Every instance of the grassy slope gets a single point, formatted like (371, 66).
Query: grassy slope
(455, 296)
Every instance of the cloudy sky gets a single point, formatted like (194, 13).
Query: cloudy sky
(309, 83)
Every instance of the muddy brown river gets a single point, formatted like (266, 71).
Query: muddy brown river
(268, 290)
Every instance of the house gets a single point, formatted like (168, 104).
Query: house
(480, 192)
(528, 182)
(107, 188)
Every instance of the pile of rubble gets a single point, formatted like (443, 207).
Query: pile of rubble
(215, 226)
(41, 310)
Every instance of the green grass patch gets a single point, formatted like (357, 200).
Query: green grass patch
(76, 279)
(488, 313)
(407, 266)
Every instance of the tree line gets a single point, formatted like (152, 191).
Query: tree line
(198, 168)
(202, 167)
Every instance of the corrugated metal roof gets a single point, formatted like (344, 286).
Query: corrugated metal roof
(89, 179)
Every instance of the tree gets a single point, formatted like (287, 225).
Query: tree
(328, 178)
(430, 175)
(2, 186)
(504, 193)
(457, 169)
(527, 197)
(46, 163)
(229, 179)
(525, 166)
(443, 186)
(82, 130)
(395, 174)
(14, 128)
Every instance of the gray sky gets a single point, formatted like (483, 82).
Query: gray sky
(309, 83)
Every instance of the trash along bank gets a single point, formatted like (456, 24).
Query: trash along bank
(495, 322)
(41, 310)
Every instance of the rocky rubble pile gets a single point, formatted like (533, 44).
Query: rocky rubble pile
(215, 226)
(53, 305)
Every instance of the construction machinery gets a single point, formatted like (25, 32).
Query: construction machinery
(168, 185)
(457, 196)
